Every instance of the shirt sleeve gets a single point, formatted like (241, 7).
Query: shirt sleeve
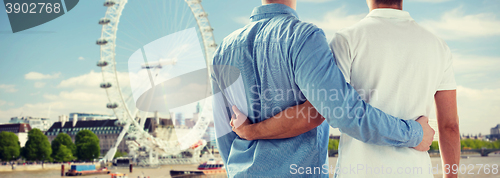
(322, 83)
(448, 80)
(222, 114)
(341, 51)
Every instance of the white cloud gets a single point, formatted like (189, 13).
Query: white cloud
(79, 94)
(469, 68)
(8, 88)
(56, 108)
(92, 80)
(478, 109)
(40, 76)
(2, 103)
(475, 70)
(336, 20)
(39, 84)
(89, 80)
(81, 58)
(455, 25)
(474, 63)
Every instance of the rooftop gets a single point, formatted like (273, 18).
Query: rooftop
(16, 128)
(28, 118)
(108, 124)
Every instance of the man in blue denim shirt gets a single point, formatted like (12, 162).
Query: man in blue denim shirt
(283, 62)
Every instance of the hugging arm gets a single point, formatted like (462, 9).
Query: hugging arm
(315, 70)
(291, 122)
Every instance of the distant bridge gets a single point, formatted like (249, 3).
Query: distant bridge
(332, 153)
(483, 152)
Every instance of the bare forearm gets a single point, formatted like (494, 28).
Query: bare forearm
(289, 123)
(448, 123)
(449, 146)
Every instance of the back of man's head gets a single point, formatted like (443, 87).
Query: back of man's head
(289, 3)
(389, 2)
(394, 4)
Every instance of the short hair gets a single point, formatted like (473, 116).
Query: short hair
(388, 2)
(274, 1)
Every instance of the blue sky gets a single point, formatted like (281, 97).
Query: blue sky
(50, 70)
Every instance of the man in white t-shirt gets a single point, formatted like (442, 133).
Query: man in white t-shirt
(400, 68)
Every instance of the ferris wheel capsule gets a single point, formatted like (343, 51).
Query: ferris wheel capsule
(112, 105)
(213, 45)
(131, 138)
(208, 29)
(105, 85)
(104, 21)
(102, 63)
(120, 123)
(109, 3)
(203, 14)
(102, 41)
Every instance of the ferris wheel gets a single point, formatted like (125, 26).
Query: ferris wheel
(172, 26)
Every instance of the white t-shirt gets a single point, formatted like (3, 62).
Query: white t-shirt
(396, 66)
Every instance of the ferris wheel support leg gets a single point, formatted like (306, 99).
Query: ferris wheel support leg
(153, 159)
(150, 158)
(196, 155)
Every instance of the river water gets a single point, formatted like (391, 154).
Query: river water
(471, 168)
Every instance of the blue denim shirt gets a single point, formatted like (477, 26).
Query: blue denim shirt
(283, 62)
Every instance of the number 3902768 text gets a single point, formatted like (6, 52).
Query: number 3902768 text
(33, 8)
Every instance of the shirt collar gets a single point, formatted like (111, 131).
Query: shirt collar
(390, 13)
(271, 10)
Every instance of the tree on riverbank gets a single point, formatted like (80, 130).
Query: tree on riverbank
(37, 147)
(63, 148)
(467, 144)
(63, 154)
(434, 145)
(120, 154)
(479, 144)
(9, 146)
(87, 145)
(333, 144)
